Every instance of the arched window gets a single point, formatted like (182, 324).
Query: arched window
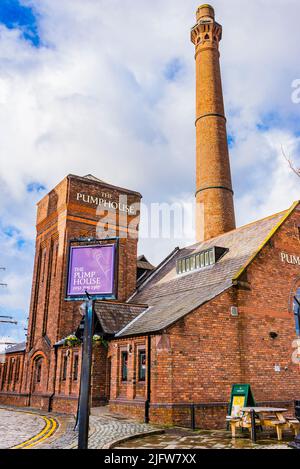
(17, 372)
(38, 369)
(206, 37)
(64, 367)
(297, 311)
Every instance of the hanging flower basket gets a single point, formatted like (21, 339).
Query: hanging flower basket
(98, 339)
(72, 341)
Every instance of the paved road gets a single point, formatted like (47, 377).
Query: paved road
(110, 430)
(18, 426)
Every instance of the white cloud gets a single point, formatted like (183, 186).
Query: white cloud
(96, 100)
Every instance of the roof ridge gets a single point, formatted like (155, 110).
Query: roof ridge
(240, 228)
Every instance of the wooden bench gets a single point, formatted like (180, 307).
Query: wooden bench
(240, 422)
(273, 423)
(294, 425)
(235, 422)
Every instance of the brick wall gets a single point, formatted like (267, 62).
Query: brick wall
(204, 354)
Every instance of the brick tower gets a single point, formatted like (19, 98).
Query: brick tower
(214, 196)
(71, 210)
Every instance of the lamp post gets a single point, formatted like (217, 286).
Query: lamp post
(85, 380)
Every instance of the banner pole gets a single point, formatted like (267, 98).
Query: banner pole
(85, 380)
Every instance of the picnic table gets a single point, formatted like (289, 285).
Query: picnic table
(264, 417)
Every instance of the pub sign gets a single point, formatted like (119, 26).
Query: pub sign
(92, 269)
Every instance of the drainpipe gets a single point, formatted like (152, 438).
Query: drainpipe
(148, 399)
(54, 379)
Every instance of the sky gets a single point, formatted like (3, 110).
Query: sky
(107, 87)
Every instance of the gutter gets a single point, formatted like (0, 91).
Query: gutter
(148, 398)
(54, 379)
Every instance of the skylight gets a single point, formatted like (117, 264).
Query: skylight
(200, 260)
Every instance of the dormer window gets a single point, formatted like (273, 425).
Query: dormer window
(200, 260)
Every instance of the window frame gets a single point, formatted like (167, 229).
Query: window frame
(11, 370)
(142, 378)
(64, 370)
(75, 367)
(17, 370)
(38, 370)
(124, 379)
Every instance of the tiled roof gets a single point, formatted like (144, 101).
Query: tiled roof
(143, 263)
(170, 296)
(16, 348)
(113, 317)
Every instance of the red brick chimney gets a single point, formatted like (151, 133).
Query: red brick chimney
(214, 196)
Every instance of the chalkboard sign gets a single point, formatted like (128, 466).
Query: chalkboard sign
(241, 396)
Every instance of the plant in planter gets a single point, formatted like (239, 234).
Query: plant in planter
(98, 339)
(72, 341)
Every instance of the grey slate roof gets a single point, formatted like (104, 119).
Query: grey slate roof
(115, 316)
(143, 263)
(170, 296)
(16, 348)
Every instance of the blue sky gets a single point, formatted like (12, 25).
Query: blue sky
(83, 91)
(15, 14)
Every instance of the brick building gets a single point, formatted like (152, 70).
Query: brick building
(220, 312)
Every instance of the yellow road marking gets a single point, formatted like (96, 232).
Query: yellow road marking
(45, 437)
(47, 431)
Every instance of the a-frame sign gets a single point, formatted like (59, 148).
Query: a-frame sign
(241, 396)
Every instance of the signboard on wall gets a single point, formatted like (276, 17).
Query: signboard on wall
(92, 269)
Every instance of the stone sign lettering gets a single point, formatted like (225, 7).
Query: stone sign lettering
(102, 201)
(290, 259)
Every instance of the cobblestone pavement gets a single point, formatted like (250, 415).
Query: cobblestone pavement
(109, 430)
(16, 427)
(184, 439)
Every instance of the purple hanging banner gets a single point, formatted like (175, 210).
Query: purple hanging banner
(91, 269)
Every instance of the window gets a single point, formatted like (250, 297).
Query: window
(200, 260)
(17, 374)
(297, 311)
(64, 368)
(11, 369)
(124, 364)
(142, 365)
(4, 375)
(38, 370)
(75, 368)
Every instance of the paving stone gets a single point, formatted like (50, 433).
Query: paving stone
(106, 429)
(16, 427)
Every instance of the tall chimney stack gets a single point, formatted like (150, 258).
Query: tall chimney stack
(214, 194)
